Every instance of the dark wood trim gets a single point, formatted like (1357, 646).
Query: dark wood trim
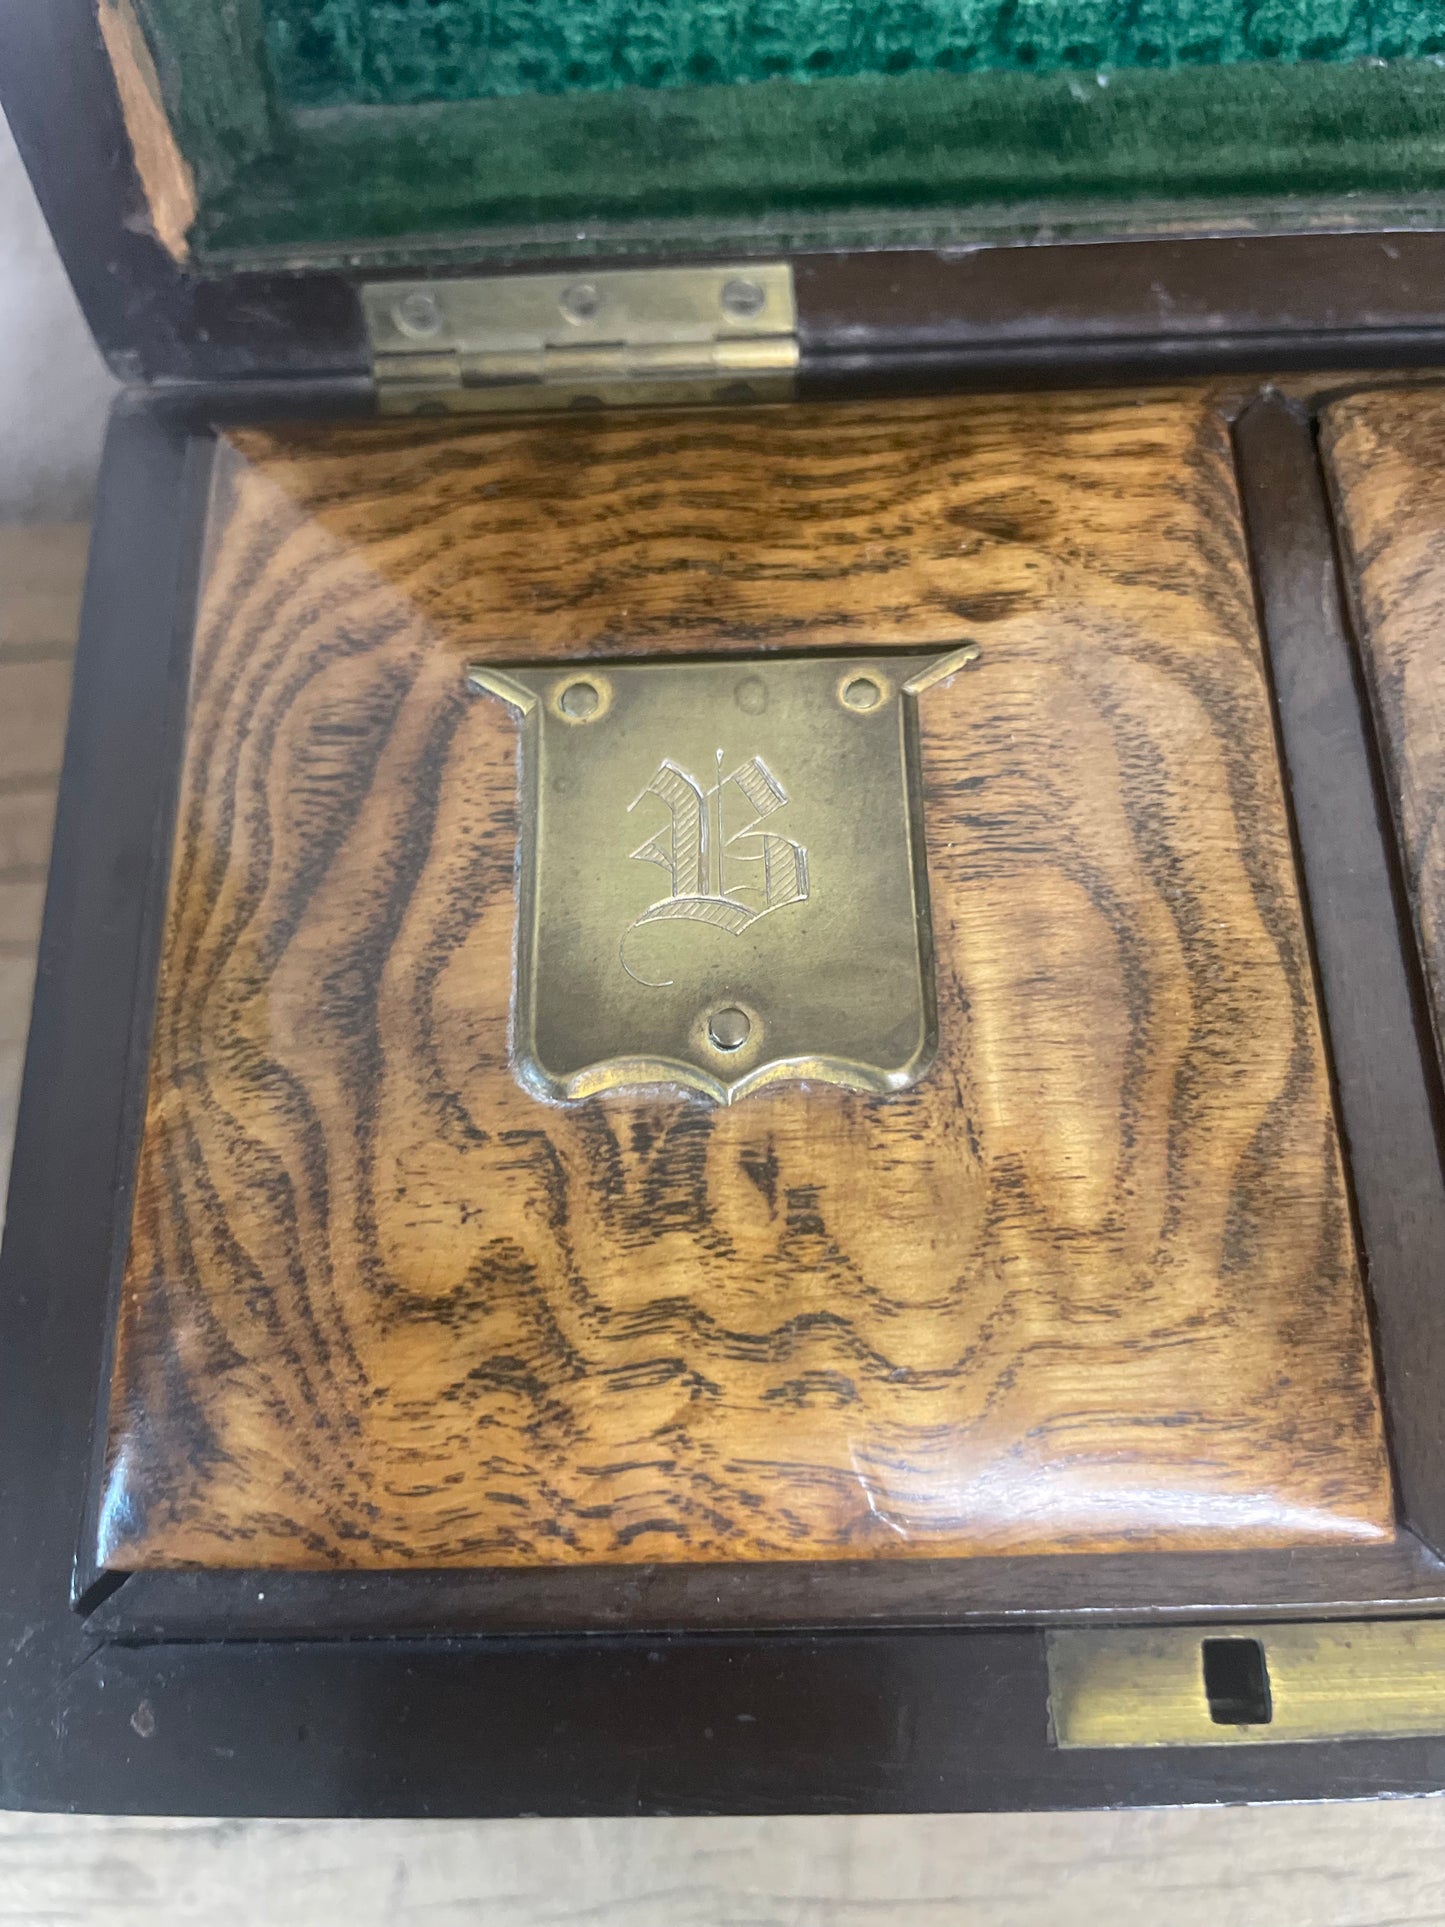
(1105, 308)
(61, 1218)
(1332, 1582)
(993, 364)
(903, 1722)
(1387, 1083)
(178, 587)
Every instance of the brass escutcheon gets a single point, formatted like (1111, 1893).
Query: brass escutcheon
(722, 877)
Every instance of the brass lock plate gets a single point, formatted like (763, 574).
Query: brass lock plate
(1235, 1685)
(722, 874)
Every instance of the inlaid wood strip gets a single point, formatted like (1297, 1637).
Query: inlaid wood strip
(1384, 450)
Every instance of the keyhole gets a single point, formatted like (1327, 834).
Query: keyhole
(1236, 1682)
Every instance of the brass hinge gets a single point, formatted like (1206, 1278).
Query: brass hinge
(614, 338)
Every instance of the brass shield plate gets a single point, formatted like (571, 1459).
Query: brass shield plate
(722, 875)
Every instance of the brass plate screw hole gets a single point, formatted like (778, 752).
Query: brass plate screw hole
(579, 701)
(862, 693)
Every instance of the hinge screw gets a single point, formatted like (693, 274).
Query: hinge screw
(418, 313)
(742, 299)
(581, 302)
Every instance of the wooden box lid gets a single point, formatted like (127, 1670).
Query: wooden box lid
(1087, 1284)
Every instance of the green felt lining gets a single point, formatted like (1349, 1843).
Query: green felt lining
(865, 157)
(334, 53)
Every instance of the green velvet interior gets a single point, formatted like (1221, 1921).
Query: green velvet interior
(333, 53)
(415, 126)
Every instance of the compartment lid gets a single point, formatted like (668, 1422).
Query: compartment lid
(223, 178)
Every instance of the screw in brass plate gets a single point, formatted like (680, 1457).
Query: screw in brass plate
(861, 693)
(742, 298)
(580, 701)
(581, 301)
(730, 1028)
(418, 314)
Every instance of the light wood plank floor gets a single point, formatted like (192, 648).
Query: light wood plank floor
(1365, 1865)
(40, 581)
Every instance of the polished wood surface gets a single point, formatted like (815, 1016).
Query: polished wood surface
(1090, 1285)
(1385, 450)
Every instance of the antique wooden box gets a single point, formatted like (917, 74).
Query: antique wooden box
(734, 1100)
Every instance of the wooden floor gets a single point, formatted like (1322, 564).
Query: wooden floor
(1364, 1865)
(40, 580)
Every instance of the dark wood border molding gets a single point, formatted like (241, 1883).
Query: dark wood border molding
(1379, 1032)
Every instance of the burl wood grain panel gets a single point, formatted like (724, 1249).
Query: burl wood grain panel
(1385, 452)
(1089, 1284)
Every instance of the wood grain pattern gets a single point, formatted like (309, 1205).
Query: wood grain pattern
(1387, 460)
(166, 176)
(1089, 1285)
